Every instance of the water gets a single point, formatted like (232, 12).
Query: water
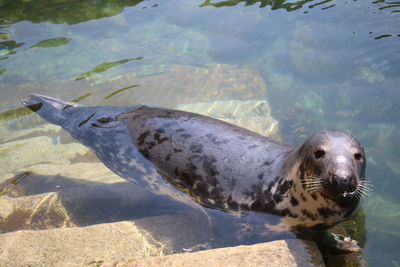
(327, 64)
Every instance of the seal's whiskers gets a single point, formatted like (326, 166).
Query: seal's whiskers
(313, 183)
(364, 188)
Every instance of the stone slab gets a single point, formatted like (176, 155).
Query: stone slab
(77, 246)
(277, 253)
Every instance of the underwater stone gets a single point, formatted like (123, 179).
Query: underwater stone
(251, 114)
(18, 154)
(319, 57)
(182, 84)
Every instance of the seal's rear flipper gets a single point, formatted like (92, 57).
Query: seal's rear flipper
(49, 108)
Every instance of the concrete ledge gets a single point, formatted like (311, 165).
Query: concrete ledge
(277, 253)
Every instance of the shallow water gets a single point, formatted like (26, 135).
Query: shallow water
(327, 64)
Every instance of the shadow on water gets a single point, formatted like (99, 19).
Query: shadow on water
(46, 202)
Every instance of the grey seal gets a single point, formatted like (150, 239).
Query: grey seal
(218, 164)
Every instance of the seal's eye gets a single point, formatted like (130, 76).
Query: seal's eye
(358, 156)
(319, 154)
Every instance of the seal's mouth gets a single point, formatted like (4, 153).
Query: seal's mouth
(349, 194)
(346, 196)
(337, 187)
(340, 185)
(354, 190)
(342, 189)
(341, 196)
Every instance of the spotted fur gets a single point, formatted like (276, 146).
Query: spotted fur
(219, 164)
(231, 168)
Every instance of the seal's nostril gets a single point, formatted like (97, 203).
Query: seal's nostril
(345, 184)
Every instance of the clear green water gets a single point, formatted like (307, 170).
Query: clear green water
(327, 64)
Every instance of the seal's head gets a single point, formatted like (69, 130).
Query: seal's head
(334, 166)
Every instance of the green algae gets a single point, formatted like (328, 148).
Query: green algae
(60, 11)
(355, 226)
(54, 42)
(121, 90)
(3, 36)
(104, 67)
(383, 208)
(7, 47)
(14, 114)
(80, 98)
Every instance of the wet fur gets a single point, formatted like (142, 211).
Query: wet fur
(218, 164)
(231, 168)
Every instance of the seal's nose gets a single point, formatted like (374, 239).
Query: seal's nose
(344, 184)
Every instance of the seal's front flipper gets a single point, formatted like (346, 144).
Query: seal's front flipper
(337, 243)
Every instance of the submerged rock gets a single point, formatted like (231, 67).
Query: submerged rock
(182, 84)
(34, 212)
(321, 59)
(52, 177)
(50, 196)
(77, 246)
(178, 84)
(18, 154)
(254, 115)
(38, 197)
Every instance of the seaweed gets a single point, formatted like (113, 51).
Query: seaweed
(54, 42)
(102, 67)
